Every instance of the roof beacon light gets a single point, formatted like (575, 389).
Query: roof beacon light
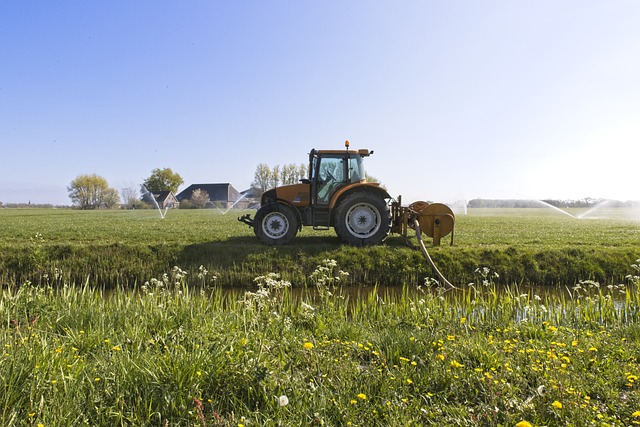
(346, 144)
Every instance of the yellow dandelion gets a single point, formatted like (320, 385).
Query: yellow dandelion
(116, 348)
(362, 396)
(353, 401)
(556, 404)
(456, 364)
(524, 424)
(308, 345)
(636, 414)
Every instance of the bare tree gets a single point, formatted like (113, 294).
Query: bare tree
(199, 198)
(129, 196)
(262, 178)
(275, 176)
(302, 171)
(289, 174)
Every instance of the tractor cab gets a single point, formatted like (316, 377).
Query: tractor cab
(331, 170)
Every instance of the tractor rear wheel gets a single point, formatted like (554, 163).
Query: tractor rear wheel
(363, 219)
(275, 224)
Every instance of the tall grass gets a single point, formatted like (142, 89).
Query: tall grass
(178, 350)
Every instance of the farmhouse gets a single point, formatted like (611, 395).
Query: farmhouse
(222, 195)
(165, 199)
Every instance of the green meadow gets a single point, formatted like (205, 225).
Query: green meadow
(121, 248)
(122, 318)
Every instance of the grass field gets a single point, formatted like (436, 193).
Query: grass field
(124, 247)
(108, 332)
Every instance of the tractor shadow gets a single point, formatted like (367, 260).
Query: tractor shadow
(241, 249)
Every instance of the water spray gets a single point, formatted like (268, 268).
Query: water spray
(148, 197)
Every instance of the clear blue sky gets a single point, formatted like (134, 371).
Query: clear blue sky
(459, 99)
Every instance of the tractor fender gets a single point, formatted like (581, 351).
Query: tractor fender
(358, 186)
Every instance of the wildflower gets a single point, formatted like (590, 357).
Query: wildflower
(362, 396)
(556, 404)
(353, 402)
(636, 414)
(524, 424)
(116, 348)
(283, 400)
(463, 320)
(456, 364)
(308, 345)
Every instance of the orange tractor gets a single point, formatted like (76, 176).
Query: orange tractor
(336, 194)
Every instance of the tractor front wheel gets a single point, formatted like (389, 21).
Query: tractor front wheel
(363, 219)
(275, 224)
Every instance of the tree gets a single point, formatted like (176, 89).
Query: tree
(92, 192)
(302, 171)
(163, 180)
(292, 173)
(110, 198)
(266, 177)
(199, 198)
(129, 196)
(262, 178)
(275, 176)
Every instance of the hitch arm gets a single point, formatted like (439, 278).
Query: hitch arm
(246, 219)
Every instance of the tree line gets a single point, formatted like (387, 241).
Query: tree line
(91, 191)
(266, 177)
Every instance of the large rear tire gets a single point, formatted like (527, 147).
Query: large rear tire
(275, 224)
(363, 219)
